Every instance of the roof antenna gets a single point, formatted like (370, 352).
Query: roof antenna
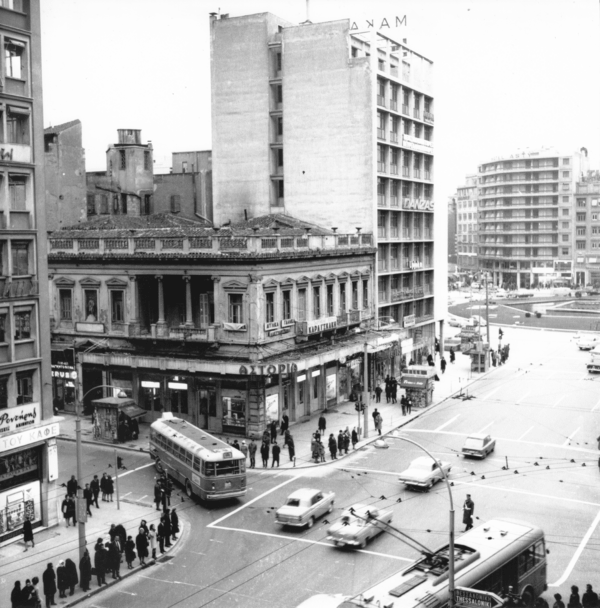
(308, 21)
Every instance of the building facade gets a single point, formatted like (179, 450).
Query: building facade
(28, 429)
(359, 156)
(527, 217)
(467, 225)
(587, 232)
(227, 328)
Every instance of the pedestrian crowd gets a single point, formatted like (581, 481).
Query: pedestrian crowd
(339, 444)
(92, 490)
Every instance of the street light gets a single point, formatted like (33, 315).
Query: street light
(451, 586)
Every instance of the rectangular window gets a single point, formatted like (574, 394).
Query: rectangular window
(355, 295)
(565, 212)
(365, 294)
(175, 203)
(286, 304)
(330, 310)
(17, 191)
(581, 217)
(279, 94)
(3, 327)
(90, 297)
(280, 189)
(117, 309)
(20, 258)
(24, 387)
(66, 304)
(104, 204)
(565, 237)
(342, 298)
(580, 245)
(147, 163)
(147, 204)
(580, 230)
(302, 304)
(316, 302)
(3, 392)
(14, 55)
(565, 175)
(565, 225)
(122, 159)
(270, 307)
(565, 251)
(280, 126)
(236, 303)
(565, 199)
(581, 202)
(17, 126)
(23, 325)
(91, 204)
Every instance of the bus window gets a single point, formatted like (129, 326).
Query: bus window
(181, 454)
(169, 446)
(188, 458)
(209, 469)
(197, 463)
(532, 556)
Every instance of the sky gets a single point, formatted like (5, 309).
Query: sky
(508, 74)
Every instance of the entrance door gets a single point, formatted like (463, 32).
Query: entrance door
(207, 397)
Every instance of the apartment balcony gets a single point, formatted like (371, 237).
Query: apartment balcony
(18, 288)
(417, 113)
(381, 134)
(423, 319)
(394, 169)
(180, 332)
(394, 137)
(405, 110)
(428, 116)
(381, 101)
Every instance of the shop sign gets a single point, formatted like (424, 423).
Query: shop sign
(417, 204)
(407, 345)
(268, 370)
(301, 378)
(40, 433)
(178, 386)
(150, 384)
(52, 460)
(279, 331)
(20, 417)
(409, 321)
(319, 325)
(464, 596)
(271, 325)
(64, 371)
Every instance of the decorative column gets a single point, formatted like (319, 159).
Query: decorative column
(188, 301)
(134, 321)
(161, 324)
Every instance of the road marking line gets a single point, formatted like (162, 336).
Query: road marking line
(492, 393)
(487, 426)
(161, 580)
(525, 433)
(214, 540)
(127, 592)
(142, 498)
(568, 439)
(443, 426)
(144, 466)
(522, 398)
(540, 443)
(307, 540)
(577, 553)
(124, 495)
(214, 523)
(559, 400)
(596, 406)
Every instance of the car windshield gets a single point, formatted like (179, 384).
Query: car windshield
(421, 466)
(473, 443)
(293, 502)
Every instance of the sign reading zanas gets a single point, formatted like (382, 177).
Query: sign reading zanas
(418, 204)
(16, 418)
(268, 370)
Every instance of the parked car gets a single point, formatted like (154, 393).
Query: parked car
(454, 321)
(423, 472)
(588, 342)
(478, 445)
(303, 506)
(358, 525)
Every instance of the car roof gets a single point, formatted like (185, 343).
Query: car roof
(422, 460)
(477, 436)
(304, 493)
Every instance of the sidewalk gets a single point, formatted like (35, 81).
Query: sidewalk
(458, 376)
(59, 543)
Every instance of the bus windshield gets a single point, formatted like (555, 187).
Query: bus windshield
(224, 467)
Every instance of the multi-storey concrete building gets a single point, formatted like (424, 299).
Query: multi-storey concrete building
(466, 224)
(28, 430)
(322, 122)
(452, 231)
(527, 216)
(587, 232)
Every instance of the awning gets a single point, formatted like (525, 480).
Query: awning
(413, 382)
(133, 411)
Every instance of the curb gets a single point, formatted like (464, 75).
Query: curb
(128, 573)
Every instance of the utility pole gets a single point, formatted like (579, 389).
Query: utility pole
(81, 507)
(366, 392)
(487, 310)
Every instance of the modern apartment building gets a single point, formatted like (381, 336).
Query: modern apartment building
(587, 232)
(28, 430)
(335, 126)
(466, 224)
(527, 216)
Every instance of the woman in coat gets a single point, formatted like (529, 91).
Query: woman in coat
(332, 446)
(103, 486)
(346, 440)
(114, 560)
(85, 571)
(152, 540)
(110, 488)
(49, 584)
(28, 534)
(72, 578)
(174, 524)
(100, 562)
(141, 543)
(290, 444)
(62, 579)
(129, 552)
(264, 452)
(15, 595)
(354, 438)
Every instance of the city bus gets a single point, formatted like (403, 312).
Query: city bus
(206, 466)
(499, 554)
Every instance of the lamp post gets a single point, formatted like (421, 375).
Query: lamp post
(487, 310)
(451, 586)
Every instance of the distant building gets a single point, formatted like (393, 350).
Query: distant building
(466, 224)
(528, 222)
(28, 429)
(322, 122)
(452, 231)
(587, 230)
(65, 175)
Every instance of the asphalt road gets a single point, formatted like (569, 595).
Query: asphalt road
(541, 407)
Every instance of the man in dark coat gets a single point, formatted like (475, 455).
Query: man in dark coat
(252, 453)
(28, 533)
(276, 450)
(322, 423)
(72, 486)
(166, 519)
(273, 429)
(158, 492)
(174, 524)
(443, 365)
(160, 536)
(340, 442)
(453, 355)
(72, 578)
(394, 390)
(468, 510)
(89, 498)
(85, 571)
(332, 446)
(95, 488)
(49, 582)
(285, 423)
(264, 452)
(104, 486)
(141, 544)
(100, 562)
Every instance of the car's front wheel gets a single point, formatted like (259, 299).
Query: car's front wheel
(311, 522)
(330, 507)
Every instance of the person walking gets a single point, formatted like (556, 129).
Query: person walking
(273, 429)
(49, 585)
(114, 560)
(394, 389)
(158, 492)
(141, 544)
(275, 450)
(443, 365)
(252, 453)
(100, 562)
(264, 452)
(64, 508)
(244, 450)
(72, 578)
(408, 404)
(110, 488)
(28, 533)
(290, 445)
(152, 540)
(130, 552)
(95, 488)
(340, 442)
(332, 446)
(72, 486)
(375, 414)
(468, 510)
(103, 487)
(354, 438)
(322, 424)
(453, 355)
(89, 498)
(85, 571)
(15, 595)
(378, 422)
(590, 598)
(175, 523)
(285, 423)
(574, 599)
(558, 603)
(346, 440)
(388, 390)
(403, 404)
(166, 519)
(378, 391)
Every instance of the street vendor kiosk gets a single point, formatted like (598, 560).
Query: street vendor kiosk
(113, 419)
(418, 381)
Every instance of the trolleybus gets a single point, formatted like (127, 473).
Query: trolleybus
(206, 466)
(499, 554)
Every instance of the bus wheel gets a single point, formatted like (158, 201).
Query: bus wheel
(527, 597)
(188, 488)
(158, 466)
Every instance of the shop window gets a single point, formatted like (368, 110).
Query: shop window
(179, 395)
(23, 325)
(17, 126)
(3, 392)
(90, 297)
(208, 402)
(301, 389)
(117, 309)
(236, 304)
(20, 258)
(270, 307)
(2, 327)
(66, 304)
(234, 411)
(24, 387)
(14, 56)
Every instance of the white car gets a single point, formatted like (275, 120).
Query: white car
(588, 342)
(358, 525)
(303, 506)
(423, 472)
(478, 445)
